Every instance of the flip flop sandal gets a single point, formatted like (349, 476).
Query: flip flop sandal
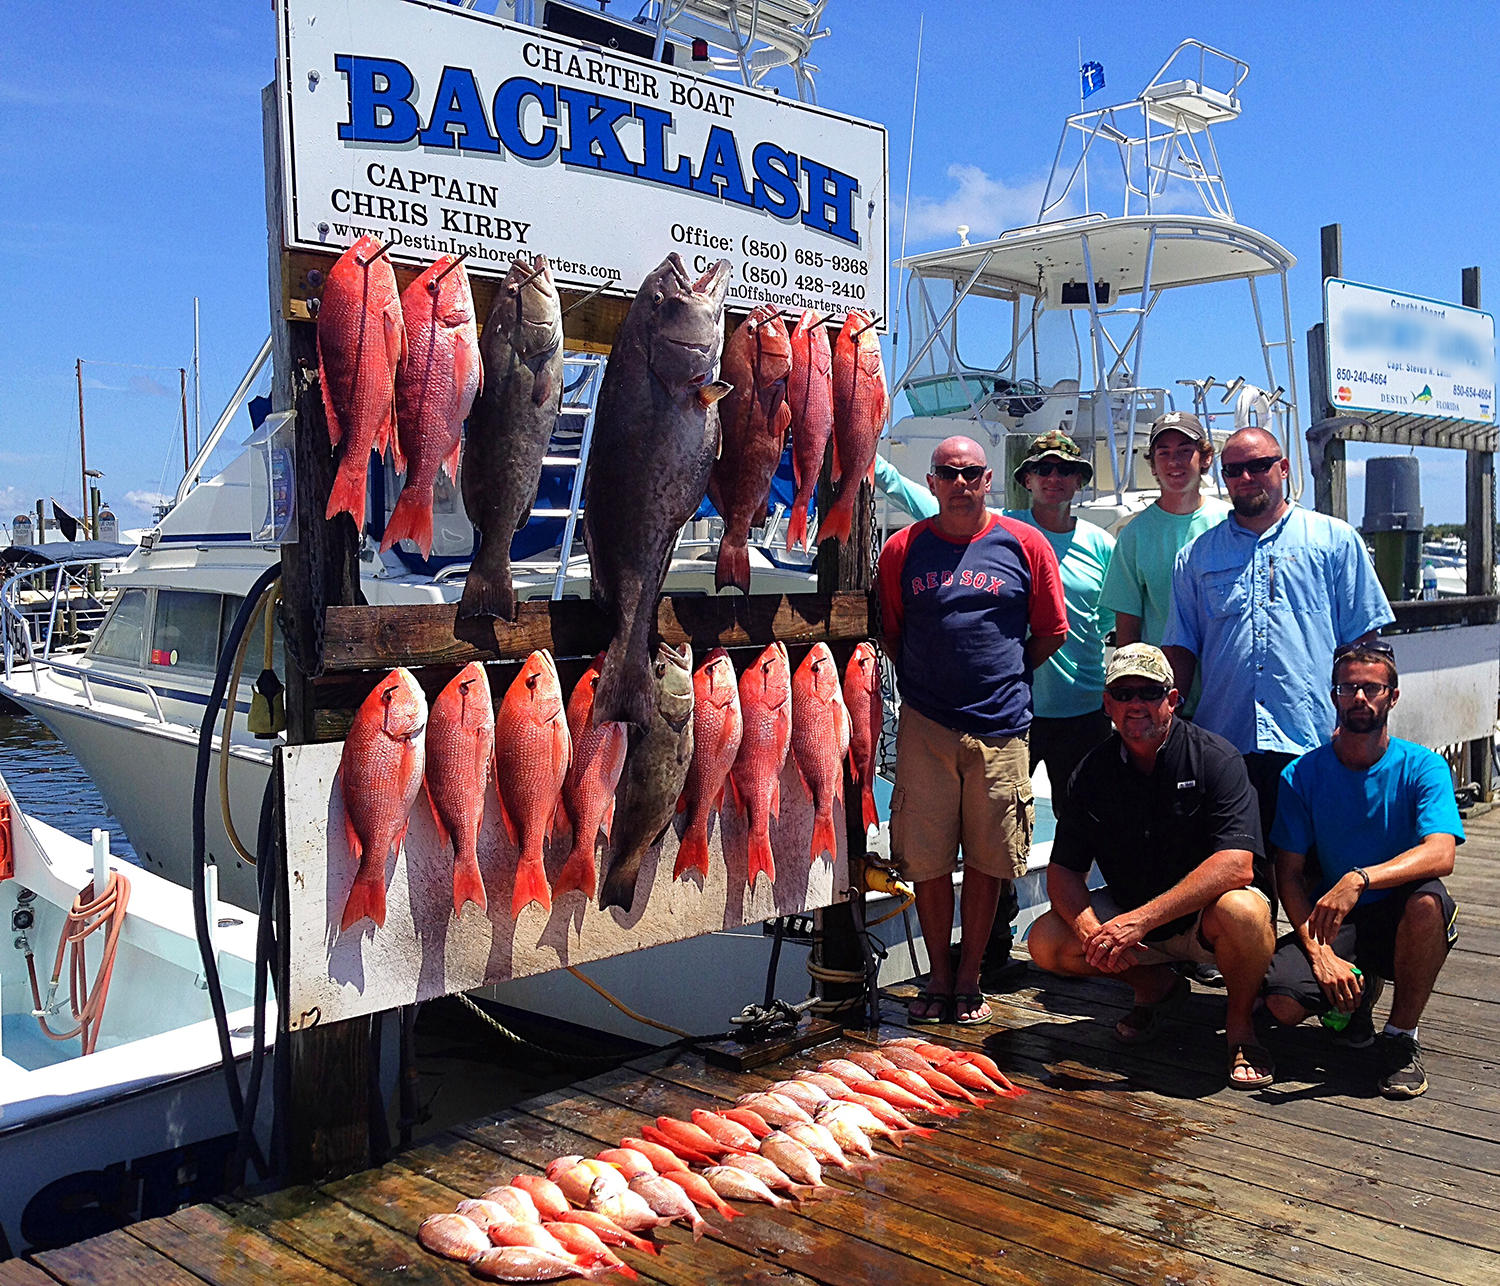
(927, 999)
(1147, 1021)
(1252, 1056)
(964, 1002)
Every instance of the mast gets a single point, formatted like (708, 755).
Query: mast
(197, 383)
(83, 452)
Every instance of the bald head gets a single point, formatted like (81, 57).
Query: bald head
(958, 450)
(1252, 442)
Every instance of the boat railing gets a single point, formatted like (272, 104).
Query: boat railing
(31, 630)
(88, 677)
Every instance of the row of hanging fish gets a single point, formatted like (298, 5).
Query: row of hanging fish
(557, 769)
(403, 372)
(771, 1146)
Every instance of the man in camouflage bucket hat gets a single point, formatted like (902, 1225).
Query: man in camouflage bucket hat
(1055, 445)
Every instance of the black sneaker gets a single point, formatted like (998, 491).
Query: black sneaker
(1205, 975)
(1401, 1056)
(1359, 1033)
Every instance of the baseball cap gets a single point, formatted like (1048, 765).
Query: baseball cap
(1140, 661)
(1055, 445)
(1184, 422)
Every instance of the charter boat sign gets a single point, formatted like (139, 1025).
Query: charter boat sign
(444, 131)
(1390, 352)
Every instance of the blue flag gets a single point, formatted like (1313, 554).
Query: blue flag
(1093, 78)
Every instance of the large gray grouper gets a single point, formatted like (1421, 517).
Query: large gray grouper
(656, 434)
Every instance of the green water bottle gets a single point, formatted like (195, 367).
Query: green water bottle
(1337, 1019)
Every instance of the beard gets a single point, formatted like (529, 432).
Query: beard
(1251, 506)
(1363, 721)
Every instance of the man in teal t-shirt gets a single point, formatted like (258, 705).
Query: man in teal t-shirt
(1139, 585)
(1067, 691)
(1381, 815)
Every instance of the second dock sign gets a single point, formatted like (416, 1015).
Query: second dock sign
(442, 130)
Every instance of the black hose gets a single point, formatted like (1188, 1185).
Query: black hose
(775, 961)
(266, 871)
(200, 851)
(375, 1107)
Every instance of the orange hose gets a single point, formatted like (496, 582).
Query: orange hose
(88, 915)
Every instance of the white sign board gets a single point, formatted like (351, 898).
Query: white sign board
(1393, 352)
(443, 130)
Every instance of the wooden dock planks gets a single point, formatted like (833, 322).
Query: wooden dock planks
(1118, 1166)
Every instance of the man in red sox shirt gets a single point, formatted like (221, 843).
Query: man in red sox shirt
(971, 604)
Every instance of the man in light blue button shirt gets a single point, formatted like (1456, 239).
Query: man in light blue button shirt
(1260, 602)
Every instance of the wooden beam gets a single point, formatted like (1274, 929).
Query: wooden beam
(326, 1128)
(1426, 614)
(416, 634)
(1330, 482)
(1332, 244)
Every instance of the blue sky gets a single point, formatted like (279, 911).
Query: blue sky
(132, 150)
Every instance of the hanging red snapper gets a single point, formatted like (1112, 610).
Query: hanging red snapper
(717, 728)
(820, 740)
(532, 754)
(809, 391)
(460, 747)
(379, 774)
(589, 791)
(866, 708)
(435, 387)
(361, 341)
(859, 406)
(766, 704)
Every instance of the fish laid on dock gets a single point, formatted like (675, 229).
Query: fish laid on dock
(810, 395)
(435, 387)
(753, 418)
(460, 750)
(532, 754)
(361, 342)
(380, 773)
(513, 420)
(656, 433)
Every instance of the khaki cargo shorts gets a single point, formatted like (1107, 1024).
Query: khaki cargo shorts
(955, 789)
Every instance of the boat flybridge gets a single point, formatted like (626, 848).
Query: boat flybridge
(1082, 283)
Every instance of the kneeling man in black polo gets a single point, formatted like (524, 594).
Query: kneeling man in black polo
(1166, 810)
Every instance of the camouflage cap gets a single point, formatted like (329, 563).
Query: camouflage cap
(1055, 445)
(1139, 661)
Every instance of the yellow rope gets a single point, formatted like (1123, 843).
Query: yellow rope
(626, 1010)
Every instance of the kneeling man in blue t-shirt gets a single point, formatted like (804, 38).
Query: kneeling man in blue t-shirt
(1367, 827)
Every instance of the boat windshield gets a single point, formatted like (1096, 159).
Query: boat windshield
(185, 633)
(124, 632)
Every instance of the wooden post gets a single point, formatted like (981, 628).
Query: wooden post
(1330, 486)
(326, 1107)
(1479, 516)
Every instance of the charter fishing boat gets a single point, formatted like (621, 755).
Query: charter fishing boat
(1080, 286)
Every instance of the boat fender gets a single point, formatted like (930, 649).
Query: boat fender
(7, 847)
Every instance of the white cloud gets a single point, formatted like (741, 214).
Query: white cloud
(12, 502)
(146, 501)
(987, 205)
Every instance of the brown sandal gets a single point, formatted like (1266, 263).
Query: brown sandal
(1248, 1054)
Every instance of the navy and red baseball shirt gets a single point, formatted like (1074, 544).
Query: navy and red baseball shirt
(962, 610)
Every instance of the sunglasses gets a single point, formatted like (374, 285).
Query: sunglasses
(1261, 465)
(1371, 690)
(953, 472)
(1150, 694)
(1379, 646)
(1048, 467)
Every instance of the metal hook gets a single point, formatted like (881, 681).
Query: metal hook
(433, 284)
(582, 300)
(874, 321)
(526, 281)
(384, 250)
